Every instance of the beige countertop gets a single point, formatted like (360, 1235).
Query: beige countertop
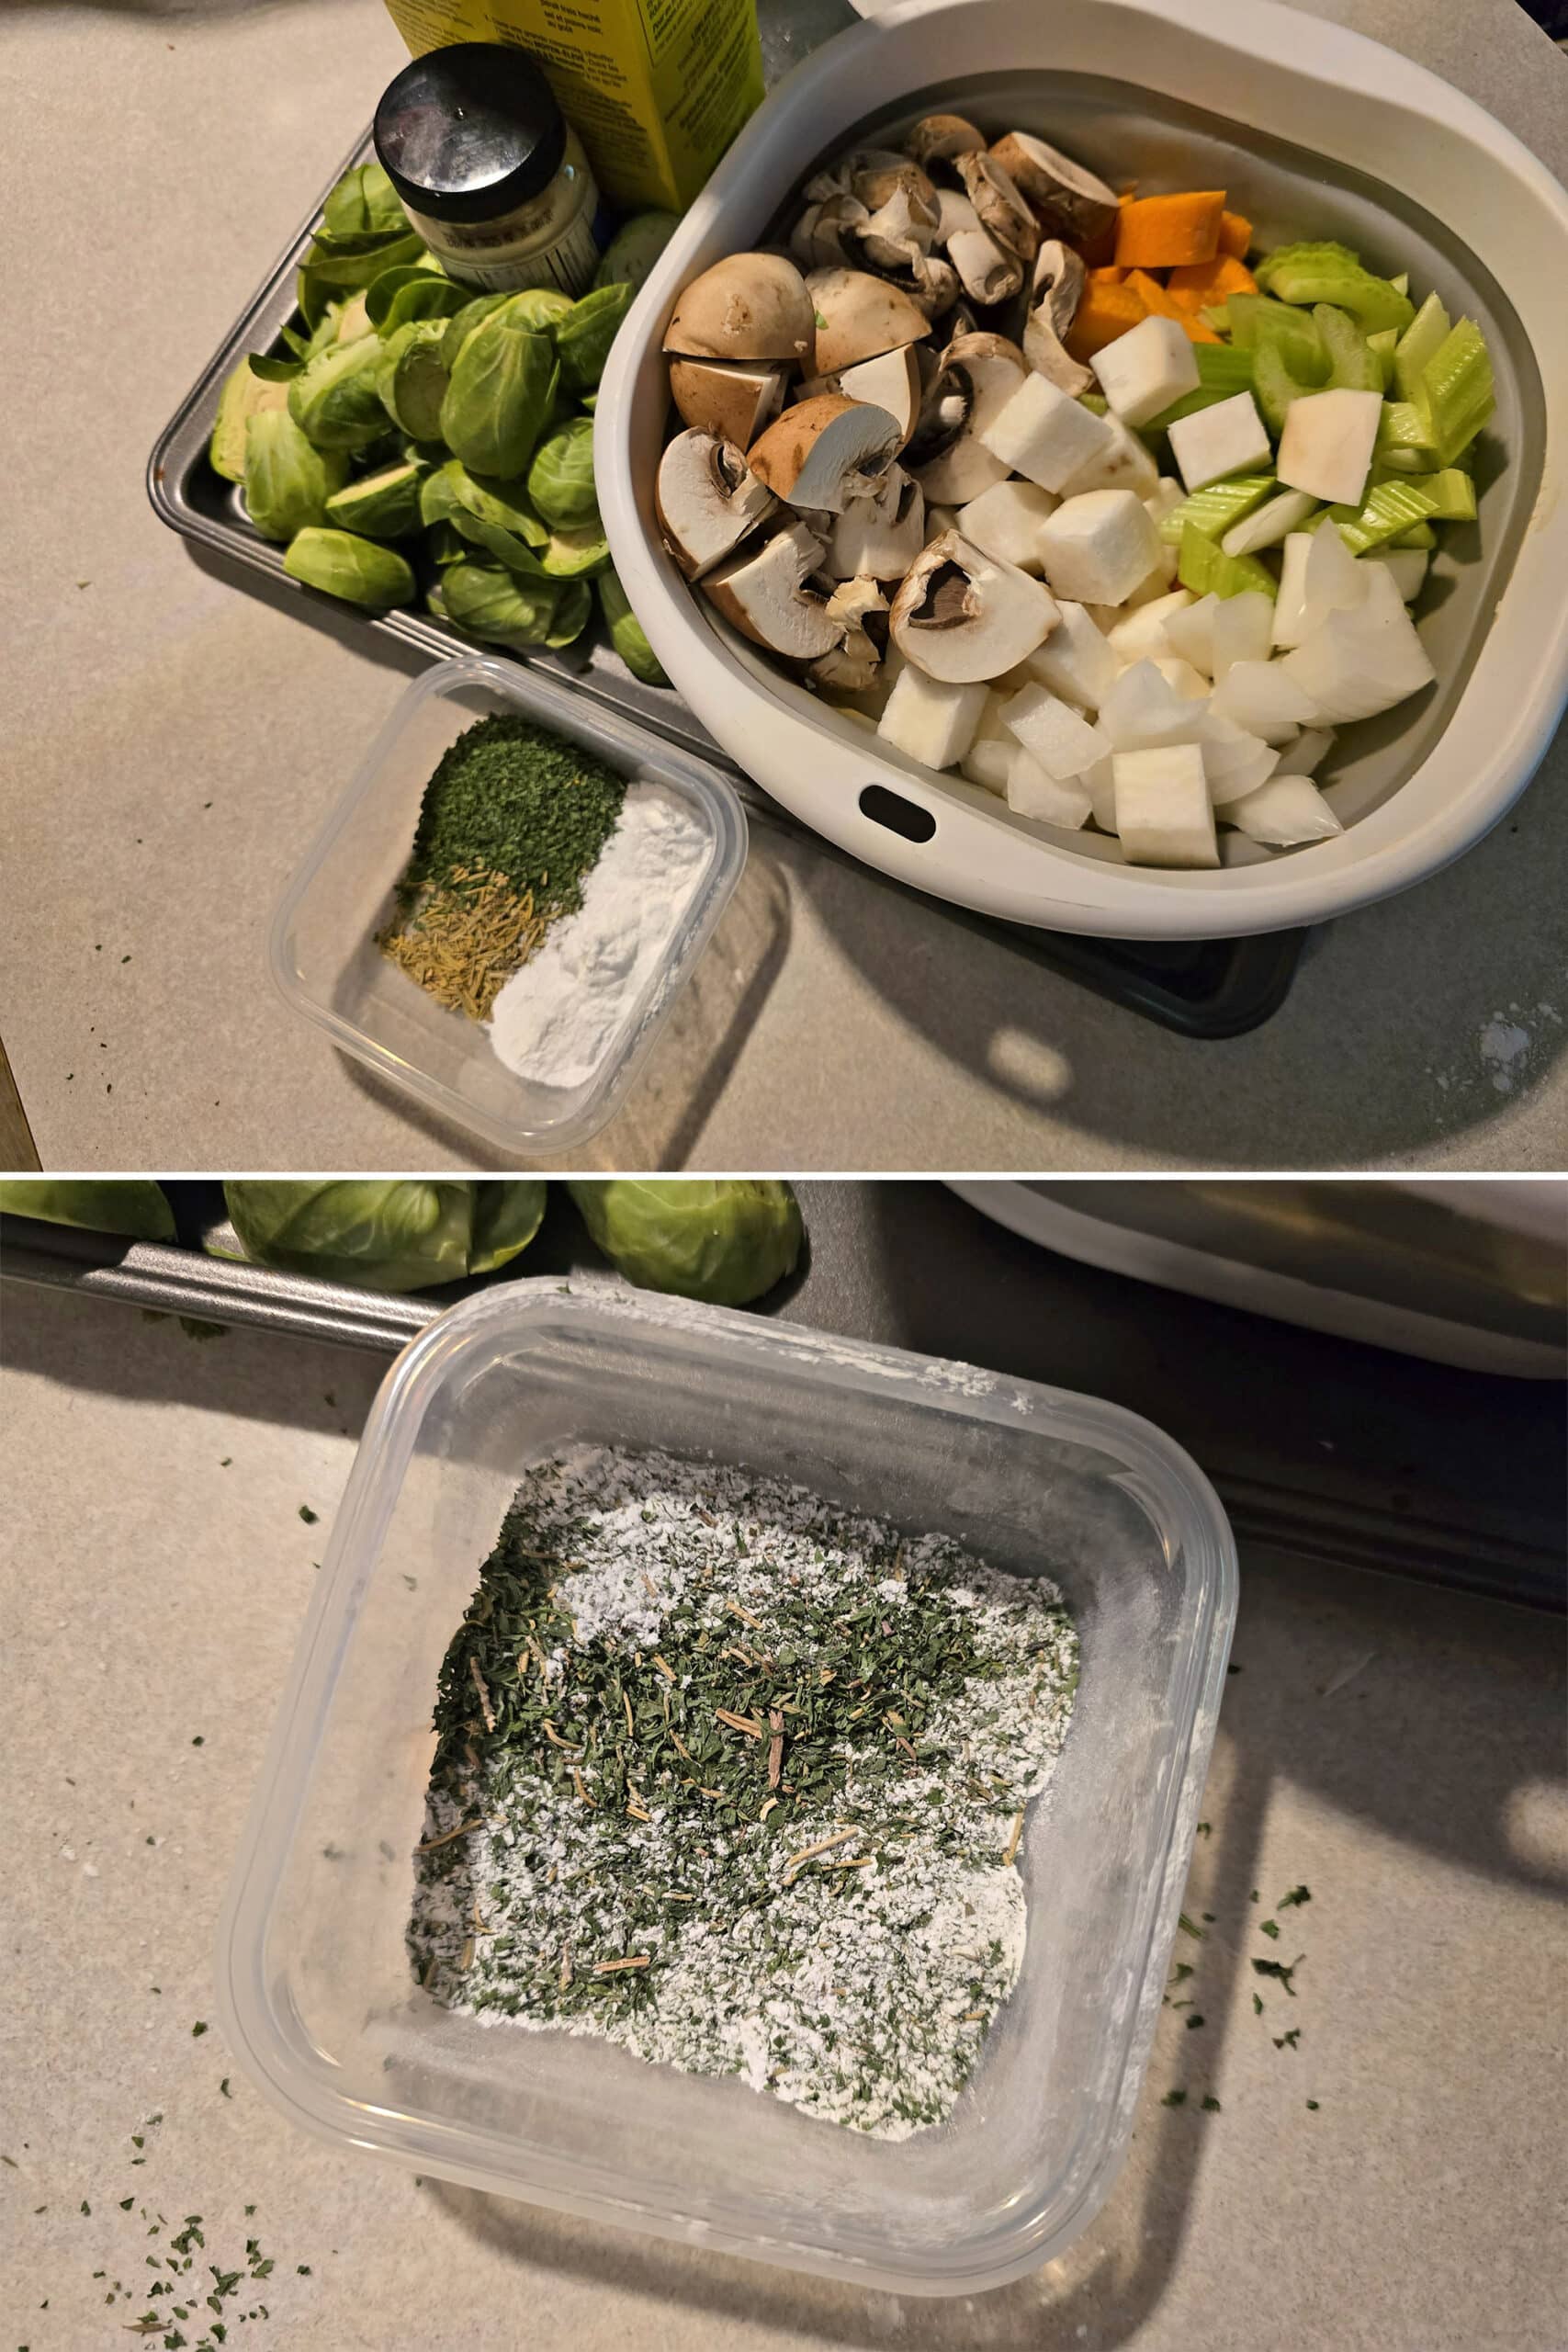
(171, 743)
(1396, 1749)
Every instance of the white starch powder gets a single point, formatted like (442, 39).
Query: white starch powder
(556, 1019)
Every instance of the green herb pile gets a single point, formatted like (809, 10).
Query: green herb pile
(415, 439)
(737, 1778)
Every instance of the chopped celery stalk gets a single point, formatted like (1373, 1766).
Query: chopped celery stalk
(1223, 364)
(1384, 345)
(1401, 284)
(1206, 396)
(1454, 492)
(1392, 507)
(1421, 341)
(1330, 273)
(1216, 315)
(1275, 386)
(1270, 524)
(1423, 535)
(1404, 427)
(1095, 402)
(1353, 366)
(1257, 317)
(1350, 365)
(1208, 573)
(1213, 510)
(1457, 389)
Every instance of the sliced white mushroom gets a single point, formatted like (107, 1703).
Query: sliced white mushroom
(765, 593)
(939, 138)
(825, 452)
(962, 617)
(734, 398)
(707, 500)
(1070, 201)
(977, 375)
(1055, 296)
(748, 306)
(989, 273)
(826, 232)
(879, 536)
(852, 666)
(858, 317)
(1000, 205)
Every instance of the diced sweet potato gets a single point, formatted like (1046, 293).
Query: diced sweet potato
(1164, 305)
(1169, 231)
(1205, 282)
(1104, 313)
(1235, 235)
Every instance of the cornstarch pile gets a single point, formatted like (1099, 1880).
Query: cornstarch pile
(736, 1777)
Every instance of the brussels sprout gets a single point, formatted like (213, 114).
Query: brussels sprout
(444, 544)
(723, 1241)
(438, 494)
(411, 381)
(460, 326)
(494, 604)
(288, 480)
(377, 296)
(423, 296)
(381, 506)
(502, 502)
(626, 632)
(122, 1205)
(385, 1234)
(500, 395)
(561, 479)
(576, 555)
(583, 338)
(538, 306)
(244, 396)
(355, 568)
(635, 247)
(364, 198)
(574, 608)
(331, 270)
(335, 399)
(352, 320)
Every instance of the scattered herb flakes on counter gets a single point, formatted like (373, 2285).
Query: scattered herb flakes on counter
(1298, 1894)
(1280, 1971)
(737, 1779)
(1269, 1928)
(1210, 2104)
(1174, 2098)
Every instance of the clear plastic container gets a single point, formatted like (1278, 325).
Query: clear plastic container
(322, 942)
(314, 1980)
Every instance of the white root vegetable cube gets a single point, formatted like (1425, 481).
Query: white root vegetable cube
(1285, 812)
(1098, 546)
(1141, 636)
(1099, 783)
(1408, 566)
(1044, 433)
(1005, 521)
(1167, 494)
(1258, 695)
(1356, 664)
(1241, 774)
(988, 761)
(992, 728)
(1268, 524)
(1191, 633)
(1306, 754)
(1229, 437)
(1326, 445)
(1162, 810)
(1243, 631)
(1181, 676)
(1076, 660)
(1146, 369)
(1143, 711)
(930, 719)
(1124, 464)
(1048, 799)
(1052, 733)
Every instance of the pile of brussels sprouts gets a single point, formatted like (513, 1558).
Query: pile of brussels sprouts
(414, 436)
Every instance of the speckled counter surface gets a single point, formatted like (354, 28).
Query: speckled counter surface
(170, 743)
(1397, 1749)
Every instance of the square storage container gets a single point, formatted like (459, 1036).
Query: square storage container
(315, 1983)
(322, 943)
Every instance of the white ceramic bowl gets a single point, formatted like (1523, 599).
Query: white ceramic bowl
(1314, 132)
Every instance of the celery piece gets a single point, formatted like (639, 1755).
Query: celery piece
(1206, 396)
(1385, 344)
(1331, 272)
(1405, 430)
(1213, 510)
(1257, 317)
(1353, 366)
(1392, 507)
(1420, 342)
(1223, 364)
(1454, 492)
(1207, 572)
(1422, 536)
(1096, 403)
(1216, 315)
(1401, 284)
(1457, 389)
(1275, 384)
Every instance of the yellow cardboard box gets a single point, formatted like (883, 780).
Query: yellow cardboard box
(655, 89)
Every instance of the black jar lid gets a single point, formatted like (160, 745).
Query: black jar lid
(469, 133)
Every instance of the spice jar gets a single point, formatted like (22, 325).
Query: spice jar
(488, 170)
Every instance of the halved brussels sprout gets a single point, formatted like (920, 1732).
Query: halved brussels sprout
(583, 338)
(725, 1241)
(460, 326)
(387, 1233)
(574, 608)
(245, 395)
(626, 631)
(381, 506)
(288, 481)
(560, 478)
(335, 399)
(496, 605)
(634, 249)
(411, 380)
(576, 555)
(132, 1204)
(500, 397)
(358, 569)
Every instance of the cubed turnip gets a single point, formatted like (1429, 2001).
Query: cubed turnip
(1326, 445)
(1124, 464)
(1032, 791)
(1052, 732)
(1143, 634)
(1188, 682)
(1043, 433)
(1259, 696)
(1306, 754)
(1097, 546)
(1243, 629)
(1146, 369)
(1164, 814)
(1407, 565)
(1005, 521)
(1143, 711)
(1285, 812)
(1354, 665)
(1191, 633)
(987, 761)
(930, 719)
(1076, 660)
(1099, 783)
(1229, 437)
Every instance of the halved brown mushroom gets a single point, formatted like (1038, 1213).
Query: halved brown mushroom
(989, 273)
(878, 538)
(938, 138)
(1068, 200)
(1002, 209)
(735, 399)
(1059, 279)
(978, 373)
(858, 317)
(827, 234)
(706, 499)
(850, 666)
(765, 592)
(748, 306)
(824, 452)
(962, 616)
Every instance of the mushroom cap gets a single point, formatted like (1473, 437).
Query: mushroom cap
(748, 306)
(826, 232)
(706, 499)
(990, 272)
(858, 317)
(984, 370)
(1000, 205)
(962, 617)
(1068, 200)
(823, 452)
(937, 138)
(1057, 289)
(764, 592)
(735, 399)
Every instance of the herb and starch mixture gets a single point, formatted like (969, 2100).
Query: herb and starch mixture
(736, 1777)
